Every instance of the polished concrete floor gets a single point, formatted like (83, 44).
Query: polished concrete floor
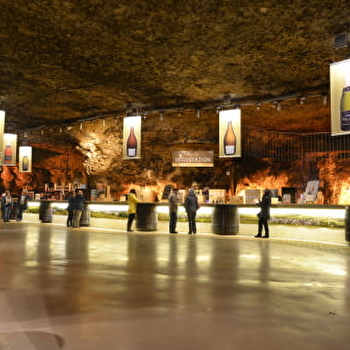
(101, 288)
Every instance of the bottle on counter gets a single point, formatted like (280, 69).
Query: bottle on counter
(229, 140)
(131, 144)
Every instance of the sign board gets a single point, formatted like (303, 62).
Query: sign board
(230, 133)
(193, 159)
(340, 97)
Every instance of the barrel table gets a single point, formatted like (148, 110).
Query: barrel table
(225, 220)
(146, 217)
(85, 216)
(45, 211)
(347, 224)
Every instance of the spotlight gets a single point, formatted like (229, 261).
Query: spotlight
(324, 99)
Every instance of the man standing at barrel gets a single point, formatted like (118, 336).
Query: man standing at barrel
(191, 206)
(173, 210)
(78, 206)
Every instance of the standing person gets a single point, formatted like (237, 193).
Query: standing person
(191, 206)
(173, 210)
(78, 206)
(22, 204)
(70, 209)
(264, 214)
(132, 201)
(7, 205)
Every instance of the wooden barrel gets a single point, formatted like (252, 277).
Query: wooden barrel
(14, 210)
(85, 216)
(347, 224)
(146, 217)
(45, 211)
(225, 219)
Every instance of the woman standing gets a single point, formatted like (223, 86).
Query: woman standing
(132, 201)
(264, 214)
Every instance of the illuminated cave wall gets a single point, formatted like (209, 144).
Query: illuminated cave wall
(91, 153)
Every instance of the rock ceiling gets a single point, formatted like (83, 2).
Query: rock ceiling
(67, 60)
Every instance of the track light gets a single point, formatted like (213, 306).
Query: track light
(324, 99)
(277, 105)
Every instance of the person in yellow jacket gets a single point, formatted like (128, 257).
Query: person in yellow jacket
(132, 201)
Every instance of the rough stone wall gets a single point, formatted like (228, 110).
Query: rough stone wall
(90, 152)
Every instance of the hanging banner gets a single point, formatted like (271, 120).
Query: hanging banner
(25, 159)
(9, 149)
(193, 159)
(340, 97)
(230, 133)
(132, 137)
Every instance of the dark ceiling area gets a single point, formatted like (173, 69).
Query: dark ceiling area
(67, 60)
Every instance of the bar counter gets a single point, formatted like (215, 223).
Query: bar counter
(225, 218)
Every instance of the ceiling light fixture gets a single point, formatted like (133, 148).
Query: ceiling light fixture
(324, 99)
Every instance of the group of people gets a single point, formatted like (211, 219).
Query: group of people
(8, 205)
(75, 208)
(191, 206)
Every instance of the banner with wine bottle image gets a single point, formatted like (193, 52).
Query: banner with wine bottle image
(340, 97)
(9, 149)
(132, 137)
(230, 133)
(25, 159)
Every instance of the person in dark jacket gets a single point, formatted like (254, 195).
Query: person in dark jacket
(191, 206)
(7, 203)
(22, 204)
(173, 200)
(78, 206)
(264, 214)
(70, 209)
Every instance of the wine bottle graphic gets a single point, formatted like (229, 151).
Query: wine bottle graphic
(131, 144)
(8, 154)
(345, 109)
(25, 163)
(229, 140)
